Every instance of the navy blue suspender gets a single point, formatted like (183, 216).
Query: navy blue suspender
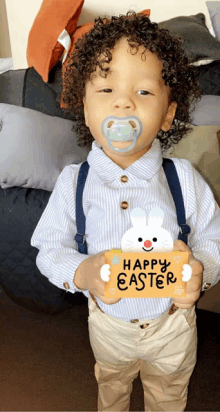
(175, 188)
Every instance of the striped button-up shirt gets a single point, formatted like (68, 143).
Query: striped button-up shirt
(105, 190)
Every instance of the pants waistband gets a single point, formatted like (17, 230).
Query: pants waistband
(172, 310)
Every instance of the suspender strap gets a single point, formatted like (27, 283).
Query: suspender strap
(80, 217)
(175, 188)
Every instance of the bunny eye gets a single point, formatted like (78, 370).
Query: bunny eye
(140, 239)
(154, 239)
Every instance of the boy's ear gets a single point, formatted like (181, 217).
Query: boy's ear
(85, 111)
(169, 117)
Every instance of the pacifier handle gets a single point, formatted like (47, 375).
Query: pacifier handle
(123, 122)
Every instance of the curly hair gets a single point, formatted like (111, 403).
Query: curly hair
(177, 73)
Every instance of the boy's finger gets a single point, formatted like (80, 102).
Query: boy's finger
(180, 246)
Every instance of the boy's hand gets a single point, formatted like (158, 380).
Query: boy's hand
(88, 277)
(194, 285)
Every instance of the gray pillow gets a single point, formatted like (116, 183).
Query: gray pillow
(207, 112)
(198, 43)
(214, 12)
(35, 148)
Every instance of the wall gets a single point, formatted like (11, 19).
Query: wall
(5, 47)
(21, 14)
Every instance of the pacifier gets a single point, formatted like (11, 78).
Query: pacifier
(120, 129)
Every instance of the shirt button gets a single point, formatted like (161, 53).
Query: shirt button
(124, 205)
(207, 285)
(144, 326)
(134, 320)
(66, 285)
(124, 179)
(173, 309)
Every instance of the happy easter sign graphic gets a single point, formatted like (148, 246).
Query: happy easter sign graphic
(146, 265)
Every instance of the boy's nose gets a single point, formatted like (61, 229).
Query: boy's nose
(123, 101)
(147, 243)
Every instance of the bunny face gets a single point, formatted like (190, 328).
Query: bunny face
(151, 238)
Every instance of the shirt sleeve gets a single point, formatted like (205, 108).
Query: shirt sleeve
(204, 239)
(58, 256)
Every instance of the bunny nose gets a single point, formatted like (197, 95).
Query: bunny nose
(147, 243)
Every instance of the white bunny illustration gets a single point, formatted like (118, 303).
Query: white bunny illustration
(142, 238)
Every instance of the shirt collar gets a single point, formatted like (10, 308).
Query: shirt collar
(107, 170)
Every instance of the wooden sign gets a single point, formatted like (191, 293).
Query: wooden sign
(151, 275)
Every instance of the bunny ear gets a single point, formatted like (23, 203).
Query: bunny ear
(156, 216)
(138, 217)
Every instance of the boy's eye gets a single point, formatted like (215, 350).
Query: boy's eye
(104, 90)
(145, 91)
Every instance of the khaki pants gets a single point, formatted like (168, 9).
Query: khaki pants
(165, 353)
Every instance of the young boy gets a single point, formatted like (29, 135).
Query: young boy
(156, 336)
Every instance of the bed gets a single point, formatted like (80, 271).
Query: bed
(37, 142)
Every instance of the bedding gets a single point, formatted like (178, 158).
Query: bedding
(25, 88)
(35, 148)
(209, 78)
(214, 13)
(198, 42)
(20, 279)
(34, 130)
(208, 110)
(52, 18)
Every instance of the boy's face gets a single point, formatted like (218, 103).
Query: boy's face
(134, 88)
